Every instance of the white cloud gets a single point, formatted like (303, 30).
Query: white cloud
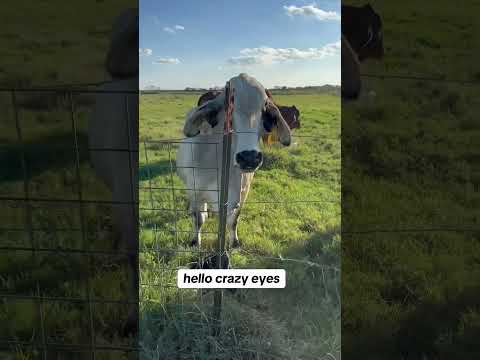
(145, 52)
(173, 30)
(169, 30)
(161, 61)
(312, 11)
(268, 55)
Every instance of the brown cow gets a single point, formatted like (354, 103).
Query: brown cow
(290, 113)
(362, 38)
(363, 29)
(351, 82)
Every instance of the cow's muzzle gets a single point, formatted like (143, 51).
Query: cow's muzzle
(249, 160)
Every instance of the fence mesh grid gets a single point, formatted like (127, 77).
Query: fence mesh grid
(60, 247)
(42, 230)
(170, 227)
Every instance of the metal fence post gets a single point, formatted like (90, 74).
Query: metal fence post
(223, 205)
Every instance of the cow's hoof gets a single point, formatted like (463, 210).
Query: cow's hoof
(211, 262)
(130, 328)
(194, 243)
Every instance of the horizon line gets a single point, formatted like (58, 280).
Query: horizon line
(194, 88)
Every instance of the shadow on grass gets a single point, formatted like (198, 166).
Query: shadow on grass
(262, 325)
(155, 169)
(51, 153)
(322, 248)
(186, 331)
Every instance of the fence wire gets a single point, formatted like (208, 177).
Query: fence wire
(61, 270)
(38, 240)
(454, 227)
(172, 227)
(58, 242)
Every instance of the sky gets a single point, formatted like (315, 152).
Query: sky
(204, 43)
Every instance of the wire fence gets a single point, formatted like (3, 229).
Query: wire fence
(63, 231)
(421, 77)
(59, 246)
(173, 226)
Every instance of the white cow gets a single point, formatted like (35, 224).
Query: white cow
(113, 130)
(199, 156)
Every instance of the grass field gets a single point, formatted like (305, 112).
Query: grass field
(49, 44)
(299, 322)
(42, 284)
(410, 162)
(62, 44)
(62, 272)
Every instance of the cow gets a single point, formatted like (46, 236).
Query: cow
(362, 39)
(363, 29)
(199, 157)
(209, 95)
(290, 113)
(351, 82)
(113, 140)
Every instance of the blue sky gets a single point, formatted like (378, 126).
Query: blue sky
(203, 43)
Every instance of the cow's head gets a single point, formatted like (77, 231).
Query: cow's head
(291, 115)
(254, 115)
(122, 57)
(363, 28)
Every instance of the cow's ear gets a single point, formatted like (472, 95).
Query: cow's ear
(269, 94)
(207, 112)
(368, 7)
(273, 117)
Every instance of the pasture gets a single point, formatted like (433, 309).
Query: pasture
(292, 213)
(410, 164)
(50, 266)
(44, 293)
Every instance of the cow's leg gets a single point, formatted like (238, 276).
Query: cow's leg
(199, 215)
(232, 223)
(239, 193)
(126, 220)
(233, 211)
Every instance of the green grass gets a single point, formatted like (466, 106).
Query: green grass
(409, 163)
(60, 39)
(299, 322)
(50, 43)
(52, 174)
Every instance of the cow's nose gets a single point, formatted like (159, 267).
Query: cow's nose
(249, 160)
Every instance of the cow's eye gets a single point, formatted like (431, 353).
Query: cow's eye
(268, 121)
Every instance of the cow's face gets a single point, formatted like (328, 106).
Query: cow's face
(291, 115)
(371, 35)
(363, 28)
(254, 115)
(247, 126)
